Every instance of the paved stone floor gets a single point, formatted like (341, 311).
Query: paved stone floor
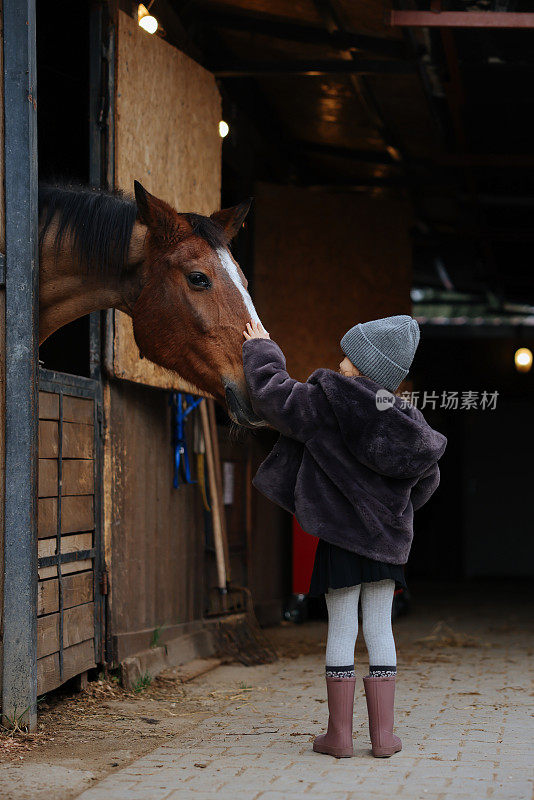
(464, 713)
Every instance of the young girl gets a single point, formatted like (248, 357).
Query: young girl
(352, 462)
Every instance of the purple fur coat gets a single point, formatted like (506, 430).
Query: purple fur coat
(351, 474)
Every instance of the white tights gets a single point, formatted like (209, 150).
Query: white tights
(377, 599)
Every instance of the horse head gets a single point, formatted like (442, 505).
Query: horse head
(193, 304)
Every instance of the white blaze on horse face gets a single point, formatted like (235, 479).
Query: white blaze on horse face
(229, 265)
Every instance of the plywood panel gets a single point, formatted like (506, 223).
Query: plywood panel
(324, 262)
(168, 112)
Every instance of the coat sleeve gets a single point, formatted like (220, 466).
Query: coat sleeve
(293, 408)
(425, 487)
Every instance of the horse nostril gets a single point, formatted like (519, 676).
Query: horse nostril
(239, 407)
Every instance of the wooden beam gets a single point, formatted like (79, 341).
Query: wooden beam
(362, 88)
(350, 153)
(311, 68)
(280, 28)
(462, 19)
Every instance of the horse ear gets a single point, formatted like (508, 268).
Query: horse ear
(142, 199)
(156, 214)
(231, 219)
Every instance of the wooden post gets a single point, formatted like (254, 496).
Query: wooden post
(19, 684)
(216, 515)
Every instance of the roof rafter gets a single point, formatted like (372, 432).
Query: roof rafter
(279, 28)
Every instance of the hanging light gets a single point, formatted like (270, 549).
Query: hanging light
(224, 129)
(145, 19)
(523, 359)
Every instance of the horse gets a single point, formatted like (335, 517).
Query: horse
(172, 272)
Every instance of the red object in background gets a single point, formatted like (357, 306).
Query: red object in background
(304, 547)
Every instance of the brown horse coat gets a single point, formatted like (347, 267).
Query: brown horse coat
(352, 474)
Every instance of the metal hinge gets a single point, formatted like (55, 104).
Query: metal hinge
(104, 582)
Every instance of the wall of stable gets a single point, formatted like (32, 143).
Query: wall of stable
(166, 136)
(325, 261)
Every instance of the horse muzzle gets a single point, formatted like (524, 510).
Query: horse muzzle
(239, 409)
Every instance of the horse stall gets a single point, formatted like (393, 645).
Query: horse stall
(374, 181)
(106, 561)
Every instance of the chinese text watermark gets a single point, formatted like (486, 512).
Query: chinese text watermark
(468, 400)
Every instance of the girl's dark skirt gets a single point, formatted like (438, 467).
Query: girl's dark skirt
(337, 568)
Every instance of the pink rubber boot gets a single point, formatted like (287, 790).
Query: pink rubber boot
(337, 741)
(380, 696)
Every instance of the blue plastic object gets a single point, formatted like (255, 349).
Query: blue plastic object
(181, 406)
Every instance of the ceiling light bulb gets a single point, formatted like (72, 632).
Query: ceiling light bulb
(224, 129)
(145, 20)
(523, 359)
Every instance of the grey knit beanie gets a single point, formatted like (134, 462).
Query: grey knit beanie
(383, 349)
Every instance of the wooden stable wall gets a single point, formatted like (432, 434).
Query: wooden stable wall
(167, 137)
(67, 643)
(324, 262)
(156, 543)
(167, 115)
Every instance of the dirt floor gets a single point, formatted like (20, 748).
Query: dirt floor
(85, 736)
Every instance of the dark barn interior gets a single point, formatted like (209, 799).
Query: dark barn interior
(63, 140)
(328, 100)
(148, 590)
(388, 149)
(329, 96)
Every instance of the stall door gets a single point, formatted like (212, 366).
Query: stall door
(70, 609)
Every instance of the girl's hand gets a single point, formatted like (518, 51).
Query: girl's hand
(255, 330)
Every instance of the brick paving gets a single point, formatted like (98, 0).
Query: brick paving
(464, 713)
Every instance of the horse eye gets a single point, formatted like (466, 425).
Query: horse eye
(199, 280)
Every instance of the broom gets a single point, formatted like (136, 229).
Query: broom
(237, 631)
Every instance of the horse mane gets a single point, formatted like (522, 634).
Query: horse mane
(99, 222)
(207, 229)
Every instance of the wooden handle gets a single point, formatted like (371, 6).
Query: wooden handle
(216, 516)
(218, 477)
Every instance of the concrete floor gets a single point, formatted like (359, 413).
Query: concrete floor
(464, 712)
